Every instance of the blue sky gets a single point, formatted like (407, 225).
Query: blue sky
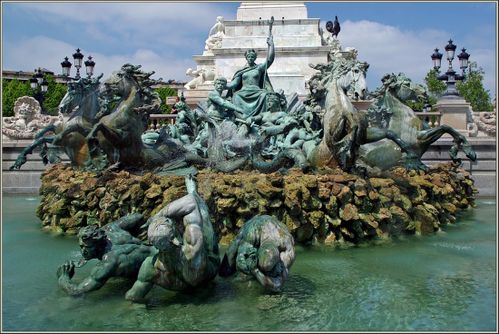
(163, 36)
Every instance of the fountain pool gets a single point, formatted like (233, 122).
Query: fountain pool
(445, 281)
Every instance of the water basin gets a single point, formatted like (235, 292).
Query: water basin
(445, 281)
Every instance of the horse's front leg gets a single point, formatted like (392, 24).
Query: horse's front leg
(112, 136)
(427, 137)
(42, 132)
(21, 158)
(71, 128)
(92, 142)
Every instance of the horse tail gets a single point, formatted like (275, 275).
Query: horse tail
(230, 165)
(282, 159)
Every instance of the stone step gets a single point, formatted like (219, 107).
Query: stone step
(444, 155)
(486, 183)
(479, 165)
(30, 165)
(21, 182)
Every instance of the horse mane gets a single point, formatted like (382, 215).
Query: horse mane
(151, 98)
(389, 82)
(83, 84)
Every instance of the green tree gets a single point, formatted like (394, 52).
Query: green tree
(419, 103)
(435, 87)
(53, 96)
(472, 90)
(11, 91)
(164, 92)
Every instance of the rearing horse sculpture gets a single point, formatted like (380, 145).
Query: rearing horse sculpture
(118, 133)
(390, 97)
(81, 102)
(345, 128)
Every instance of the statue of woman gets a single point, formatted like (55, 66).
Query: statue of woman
(250, 85)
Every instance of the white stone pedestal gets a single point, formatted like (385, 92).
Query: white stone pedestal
(194, 96)
(456, 112)
(297, 44)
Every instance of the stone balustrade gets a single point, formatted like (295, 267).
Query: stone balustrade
(432, 118)
(155, 120)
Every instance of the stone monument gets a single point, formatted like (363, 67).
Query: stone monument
(27, 120)
(457, 113)
(298, 42)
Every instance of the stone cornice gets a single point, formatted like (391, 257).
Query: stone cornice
(277, 22)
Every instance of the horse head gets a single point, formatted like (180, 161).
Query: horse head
(81, 95)
(350, 75)
(402, 87)
(358, 85)
(120, 83)
(72, 98)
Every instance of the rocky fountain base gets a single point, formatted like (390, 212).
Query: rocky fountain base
(331, 206)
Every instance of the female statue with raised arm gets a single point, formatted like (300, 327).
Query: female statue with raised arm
(250, 85)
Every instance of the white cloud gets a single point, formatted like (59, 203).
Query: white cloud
(25, 55)
(388, 49)
(136, 15)
(164, 36)
(165, 28)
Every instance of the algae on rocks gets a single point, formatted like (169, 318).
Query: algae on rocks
(331, 206)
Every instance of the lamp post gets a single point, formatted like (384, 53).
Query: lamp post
(450, 76)
(39, 85)
(78, 60)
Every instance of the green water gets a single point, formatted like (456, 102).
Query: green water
(445, 281)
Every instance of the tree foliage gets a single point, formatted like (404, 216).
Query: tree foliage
(419, 103)
(53, 96)
(472, 90)
(14, 89)
(11, 91)
(164, 92)
(435, 87)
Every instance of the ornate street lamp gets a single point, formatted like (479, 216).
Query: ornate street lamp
(66, 67)
(463, 59)
(89, 65)
(44, 86)
(77, 61)
(450, 49)
(33, 82)
(450, 76)
(39, 85)
(436, 57)
(77, 57)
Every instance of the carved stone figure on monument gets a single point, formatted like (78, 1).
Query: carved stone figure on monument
(200, 76)
(216, 34)
(486, 122)
(27, 119)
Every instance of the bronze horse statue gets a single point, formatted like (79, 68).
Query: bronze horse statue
(400, 119)
(345, 128)
(115, 141)
(81, 103)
